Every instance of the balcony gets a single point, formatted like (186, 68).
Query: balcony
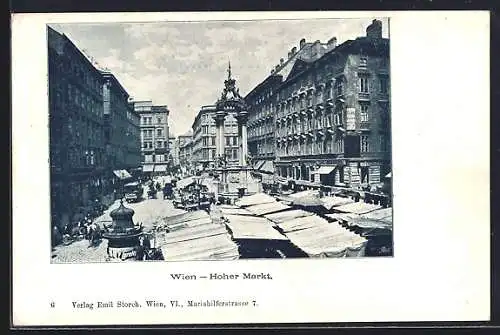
(383, 97)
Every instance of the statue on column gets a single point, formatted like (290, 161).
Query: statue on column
(230, 92)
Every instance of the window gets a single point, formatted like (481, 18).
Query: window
(340, 145)
(364, 113)
(159, 132)
(158, 120)
(205, 141)
(159, 144)
(340, 87)
(235, 140)
(228, 140)
(363, 61)
(160, 158)
(235, 154)
(213, 140)
(383, 85)
(363, 84)
(204, 129)
(365, 145)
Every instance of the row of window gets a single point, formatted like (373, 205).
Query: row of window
(148, 133)
(311, 99)
(311, 148)
(154, 158)
(159, 144)
(327, 146)
(77, 70)
(148, 120)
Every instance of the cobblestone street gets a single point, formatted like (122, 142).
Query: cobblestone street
(147, 211)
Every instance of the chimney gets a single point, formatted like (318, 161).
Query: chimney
(272, 71)
(294, 50)
(332, 43)
(282, 61)
(317, 48)
(374, 30)
(289, 54)
(302, 43)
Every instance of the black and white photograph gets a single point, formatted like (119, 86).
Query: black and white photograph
(215, 168)
(222, 140)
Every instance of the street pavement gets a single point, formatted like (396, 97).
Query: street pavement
(147, 212)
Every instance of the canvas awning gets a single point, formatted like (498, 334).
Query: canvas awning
(319, 238)
(255, 199)
(160, 168)
(268, 208)
(251, 227)
(378, 214)
(267, 167)
(330, 202)
(218, 247)
(148, 168)
(357, 208)
(235, 211)
(287, 215)
(185, 182)
(326, 169)
(122, 174)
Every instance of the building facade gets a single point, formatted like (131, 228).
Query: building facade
(323, 115)
(204, 139)
(333, 115)
(154, 136)
(121, 127)
(186, 156)
(180, 143)
(76, 123)
(262, 102)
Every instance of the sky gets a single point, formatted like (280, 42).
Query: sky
(184, 64)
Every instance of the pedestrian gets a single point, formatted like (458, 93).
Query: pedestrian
(140, 250)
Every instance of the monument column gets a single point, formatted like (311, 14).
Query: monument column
(220, 116)
(243, 137)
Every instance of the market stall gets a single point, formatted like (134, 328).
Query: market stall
(256, 238)
(255, 199)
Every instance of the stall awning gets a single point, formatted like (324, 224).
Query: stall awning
(267, 167)
(160, 168)
(122, 174)
(148, 168)
(185, 182)
(325, 169)
(259, 164)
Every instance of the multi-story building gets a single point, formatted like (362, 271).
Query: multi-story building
(133, 158)
(180, 143)
(154, 135)
(204, 145)
(121, 128)
(332, 115)
(262, 103)
(76, 123)
(186, 156)
(173, 151)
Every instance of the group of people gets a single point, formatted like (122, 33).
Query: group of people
(85, 227)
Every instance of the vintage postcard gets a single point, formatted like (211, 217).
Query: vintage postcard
(204, 168)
